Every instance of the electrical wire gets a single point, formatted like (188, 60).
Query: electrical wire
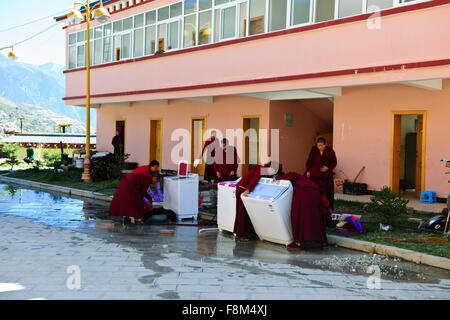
(36, 34)
(34, 21)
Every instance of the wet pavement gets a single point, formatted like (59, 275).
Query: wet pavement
(54, 247)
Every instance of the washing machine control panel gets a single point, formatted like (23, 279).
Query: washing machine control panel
(269, 181)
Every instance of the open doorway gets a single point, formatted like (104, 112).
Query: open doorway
(155, 140)
(251, 126)
(120, 128)
(408, 152)
(198, 128)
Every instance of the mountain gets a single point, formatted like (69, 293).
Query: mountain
(42, 85)
(36, 118)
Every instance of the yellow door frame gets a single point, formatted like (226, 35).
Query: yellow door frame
(150, 138)
(243, 137)
(204, 126)
(124, 133)
(423, 113)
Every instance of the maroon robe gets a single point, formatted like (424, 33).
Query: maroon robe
(210, 147)
(116, 144)
(323, 179)
(128, 201)
(309, 216)
(242, 224)
(224, 166)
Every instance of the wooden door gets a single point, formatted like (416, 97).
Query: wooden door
(396, 146)
(156, 141)
(419, 155)
(120, 127)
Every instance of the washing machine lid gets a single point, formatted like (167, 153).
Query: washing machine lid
(267, 192)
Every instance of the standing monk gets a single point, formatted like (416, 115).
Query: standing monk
(226, 162)
(128, 201)
(116, 142)
(319, 168)
(242, 224)
(309, 215)
(210, 147)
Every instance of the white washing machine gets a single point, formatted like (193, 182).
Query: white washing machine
(181, 195)
(226, 205)
(269, 209)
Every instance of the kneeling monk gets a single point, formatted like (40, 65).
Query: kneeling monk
(128, 201)
(242, 224)
(309, 213)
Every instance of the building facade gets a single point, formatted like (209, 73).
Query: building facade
(373, 75)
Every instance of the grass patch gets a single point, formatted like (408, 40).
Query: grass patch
(70, 179)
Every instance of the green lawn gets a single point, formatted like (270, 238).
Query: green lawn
(71, 179)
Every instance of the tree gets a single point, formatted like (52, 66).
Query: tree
(388, 207)
(12, 161)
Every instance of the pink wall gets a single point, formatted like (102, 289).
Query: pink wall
(362, 131)
(296, 141)
(224, 113)
(339, 47)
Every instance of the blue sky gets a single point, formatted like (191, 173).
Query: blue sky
(48, 47)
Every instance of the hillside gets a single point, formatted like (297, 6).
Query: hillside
(38, 85)
(36, 118)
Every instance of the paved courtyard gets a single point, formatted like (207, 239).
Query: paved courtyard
(52, 247)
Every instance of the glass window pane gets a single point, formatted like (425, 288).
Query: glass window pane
(150, 17)
(81, 56)
(176, 9)
(217, 24)
(349, 8)
(126, 46)
(257, 13)
(243, 20)
(163, 13)
(81, 36)
(91, 52)
(190, 6)
(139, 21)
(98, 51)
(107, 30)
(376, 5)
(204, 28)
(72, 38)
(229, 23)
(300, 12)
(118, 26)
(72, 57)
(150, 41)
(128, 23)
(324, 10)
(138, 43)
(98, 32)
(162, 36)
(190, 31)
(277, 14)
(219, 2)
(173, 35)
(205, 4)
(107, 42)
(117, 47)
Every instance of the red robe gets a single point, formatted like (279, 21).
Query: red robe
(323, 179)
(210, 147)
(309, 216)
(128, 201)
(116, 144)
(142, 169)
(224, 166)
(242, 224)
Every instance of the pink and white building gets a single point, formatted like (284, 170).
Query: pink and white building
(371, 75)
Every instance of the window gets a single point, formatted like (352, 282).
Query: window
(162, 36)
(97, 51)
(81, 55)
(277, 14)
(163, 14)
(219, 2)
(257, 16)
(300, 12)
(176, 10)
(205, 4)
(190, 28)
(174, 30)
(243, 20)
(150, 17)
(107, 42)
(98, 32)
(150, 40)
(126, 46)
(117, 47)
(127, 24)
(107, 30)
(138, 48)
(118, 26)
(81, 36)
(229, 22)
(350, 8)
(72, 57)
(204, 28)
(72, 38)
(190, 6)
(324, 10)
(376, 5)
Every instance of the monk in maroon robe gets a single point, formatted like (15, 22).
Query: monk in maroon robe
(242, 224)
(210, 148)
(128, 201)
(319, 168)
(116, 142)
(309, 215)
(226, 162)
